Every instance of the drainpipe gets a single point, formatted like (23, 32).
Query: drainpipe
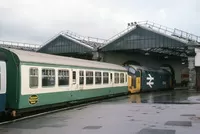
(192, 71)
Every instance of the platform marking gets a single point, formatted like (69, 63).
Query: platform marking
(150, 83)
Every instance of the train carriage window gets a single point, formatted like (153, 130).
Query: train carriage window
(97, 77)
(89, 77)
(121, 77)
(126, 78)
(111, 80)
(81, 77)
(74, 77)
(63, 77)
(105, 78)
(48, 77)
(33, 77)
(131, 70)
(116, 77)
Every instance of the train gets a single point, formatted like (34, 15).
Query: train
(31, 80)
(141, 79)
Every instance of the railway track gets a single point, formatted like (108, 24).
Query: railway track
(8, 121)
(79, 105)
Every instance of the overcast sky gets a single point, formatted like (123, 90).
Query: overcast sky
(35, 21)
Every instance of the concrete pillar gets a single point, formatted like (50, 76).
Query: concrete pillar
(95, 56)
(192, 72)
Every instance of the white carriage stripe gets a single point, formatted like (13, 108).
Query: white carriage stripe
(26, 90)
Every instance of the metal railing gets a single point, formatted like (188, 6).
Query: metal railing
(19, 45)
(158, 28)
(186, 35)
(171, 32)
(92, 41)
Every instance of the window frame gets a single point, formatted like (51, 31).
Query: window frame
(98, 77)
(126, 77)
(35, 68)
(111, 77)
(115, 78)
(106, 77)
(83, 76)
(74, 77)
(48, 77)
(122, 79)
(67, 76)
(92, 72)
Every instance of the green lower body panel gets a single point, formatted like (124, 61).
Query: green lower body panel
(34, 100)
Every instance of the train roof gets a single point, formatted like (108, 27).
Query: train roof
(36, 57)
(143, 68)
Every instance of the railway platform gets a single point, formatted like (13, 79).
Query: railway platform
(167, 112)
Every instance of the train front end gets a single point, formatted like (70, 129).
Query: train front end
(2, 86)
(134, 79)
(2, 102)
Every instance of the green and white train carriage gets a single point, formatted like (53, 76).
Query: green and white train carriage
(36, 79)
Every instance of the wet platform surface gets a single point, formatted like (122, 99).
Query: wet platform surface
(167, 112)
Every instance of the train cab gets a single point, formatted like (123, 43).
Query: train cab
(2, 85)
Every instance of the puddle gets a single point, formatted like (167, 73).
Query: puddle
(92, 127)
(156, 131)
(188, 115)
(179, 123)
(167, 97)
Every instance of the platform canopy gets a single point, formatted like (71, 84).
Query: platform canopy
(149, 37)
(70, 42)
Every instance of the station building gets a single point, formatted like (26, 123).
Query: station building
(197, 67)
(141, 43)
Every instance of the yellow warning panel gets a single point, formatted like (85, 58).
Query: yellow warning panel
(131, 87)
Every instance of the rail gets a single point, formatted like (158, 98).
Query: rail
(186, 35)
(80, 37)
(172, 32)
(19, 45)
(158, 28)
(92, 41)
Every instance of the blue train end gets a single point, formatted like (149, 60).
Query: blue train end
(2, 102)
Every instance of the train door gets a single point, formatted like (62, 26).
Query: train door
(198, 78)
(2, 85)
(74, 80)
(111, 79)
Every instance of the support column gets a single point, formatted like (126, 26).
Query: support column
(96, 56)
(192, 72)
